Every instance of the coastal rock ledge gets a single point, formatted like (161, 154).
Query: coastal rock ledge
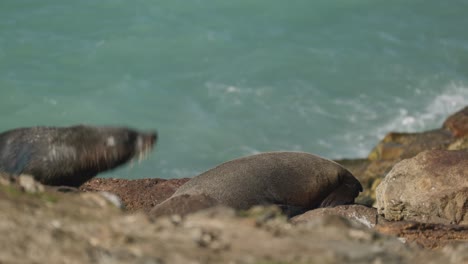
(54, 227)
(420, 216)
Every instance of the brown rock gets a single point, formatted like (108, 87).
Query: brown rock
(355, 166)
(431, 187)
(396, 146)
(431, 236)
(459, 144)
(140, 194)
(458, 123)
(85, 228)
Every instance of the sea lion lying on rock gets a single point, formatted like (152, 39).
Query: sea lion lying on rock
(295, 181)
(70, 155)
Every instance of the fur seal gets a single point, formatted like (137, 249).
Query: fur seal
(70, 156)
(295, 181)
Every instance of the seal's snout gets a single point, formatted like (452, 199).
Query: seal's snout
(146, 140)
(152, 138)
(145, 143)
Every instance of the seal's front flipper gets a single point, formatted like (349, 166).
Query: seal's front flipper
(64, 189)
(290, 210)
(345, 193)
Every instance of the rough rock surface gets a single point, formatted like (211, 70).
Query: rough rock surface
(431, 236)
(394, 147)
(358, 213)
(85, 228)
(141, 194)
(406, 145)
(431, 187)
(458, 123)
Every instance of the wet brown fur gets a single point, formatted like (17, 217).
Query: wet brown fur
(295, 181)
(70, 155)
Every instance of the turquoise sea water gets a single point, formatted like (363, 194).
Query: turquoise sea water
(222, 79)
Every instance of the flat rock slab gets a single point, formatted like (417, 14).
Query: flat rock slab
(357, 213)
(431, 188)
(140, 194)
(431, 236)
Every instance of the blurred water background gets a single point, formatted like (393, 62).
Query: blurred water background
(223, 79)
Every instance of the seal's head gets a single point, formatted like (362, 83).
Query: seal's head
(117, 145)
(71, 155)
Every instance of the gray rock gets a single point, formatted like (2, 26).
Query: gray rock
(356, 213)
(431, 188)
(30, 185)
(113, 199)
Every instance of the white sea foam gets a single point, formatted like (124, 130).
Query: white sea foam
(432, 113)
(451, 99)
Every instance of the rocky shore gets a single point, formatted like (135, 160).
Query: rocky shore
(414, 209)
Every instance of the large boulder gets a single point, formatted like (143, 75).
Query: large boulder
(431, 188)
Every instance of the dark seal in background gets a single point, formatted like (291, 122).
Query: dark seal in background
(70, 156)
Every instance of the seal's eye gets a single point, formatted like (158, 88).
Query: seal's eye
(110, 142)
